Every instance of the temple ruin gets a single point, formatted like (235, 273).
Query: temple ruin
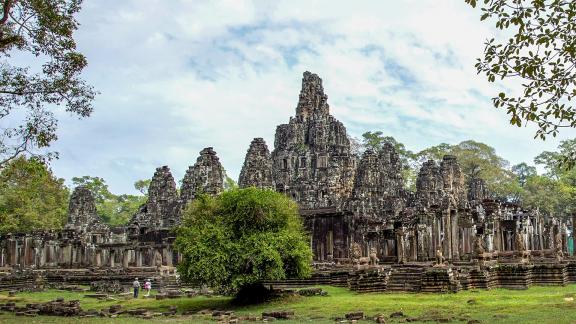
(368, 232)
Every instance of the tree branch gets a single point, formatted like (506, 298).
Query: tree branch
(7, 6)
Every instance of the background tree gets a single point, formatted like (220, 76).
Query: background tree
(240, 238)
(478, 161)
(356, 146)
(31, 197)
(541, 56)
(41, 29)
(435, 153)
(376, 140)
(96, 185)
(546, 194)
(523, 172)
(229, 183)
(113, 209)
(142, 186)
(554, 192)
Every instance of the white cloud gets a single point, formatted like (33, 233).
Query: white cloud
(182, 75)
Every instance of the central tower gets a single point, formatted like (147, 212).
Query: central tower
(312, 162)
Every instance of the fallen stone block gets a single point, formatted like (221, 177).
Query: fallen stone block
(354, 316)
(278, 314)
(397, 314)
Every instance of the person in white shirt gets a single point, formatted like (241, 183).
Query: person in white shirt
(136, 286)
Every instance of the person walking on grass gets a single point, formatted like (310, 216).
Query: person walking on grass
(147, 287)
(136, 286)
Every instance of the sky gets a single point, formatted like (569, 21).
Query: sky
(177, 76)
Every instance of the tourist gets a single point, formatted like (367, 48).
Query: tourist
(136, 286)
(148, 287)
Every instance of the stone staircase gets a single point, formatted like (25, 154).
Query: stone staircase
(551, 274)
(167, 282)
(339, 279)
(373, 280)
(406, 277)
(514, 276)
(317, 279)
(482, 278)
(439, 280)
(571, 270)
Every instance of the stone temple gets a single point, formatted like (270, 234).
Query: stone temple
(367, 231)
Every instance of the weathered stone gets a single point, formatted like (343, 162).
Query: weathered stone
(161, 209)
(312, 161)
(257, 168)
(82, 213)
(378, 186)
(205, 176)
(279, 314)
(354, 316)
(477, 190)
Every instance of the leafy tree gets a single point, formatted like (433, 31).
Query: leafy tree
(478, 161)
(523, 172)
(240, 238)
(113, 209)
(541, 56)
(229, 183)
(548, 195)
(31, 197)
(142, 186)
(375, 141)
(41, 29)
(96, 185)
(553, 161)
(555, 191)
(118, 210)
(435, 153)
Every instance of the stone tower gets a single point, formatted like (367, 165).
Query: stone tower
(161, 209)
(312, 162)
(82, 213)
(257, 168)
(441, 186)
(378, 186)
(477, 190)
(205, 176)
(429, 186)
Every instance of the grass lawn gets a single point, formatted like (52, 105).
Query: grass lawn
(535, 305)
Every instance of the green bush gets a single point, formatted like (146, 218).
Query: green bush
(241, 238)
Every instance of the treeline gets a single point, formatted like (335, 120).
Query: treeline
(33, 198)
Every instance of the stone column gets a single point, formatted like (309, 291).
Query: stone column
(454, 237)
(112, 255)
(447, 242)
(125, 258)
(98, 258)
